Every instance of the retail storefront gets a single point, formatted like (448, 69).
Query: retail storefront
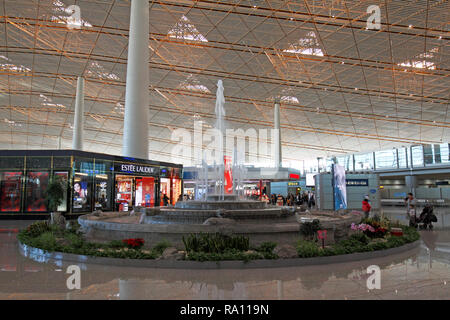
(92, 181)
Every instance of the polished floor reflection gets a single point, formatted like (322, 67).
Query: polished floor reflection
(423, 273)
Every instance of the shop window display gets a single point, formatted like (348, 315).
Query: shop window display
(64, 176)
(36, 187)
(103, 184)
(145, 192)
(10, 191)
(124, 192)
(81, 193)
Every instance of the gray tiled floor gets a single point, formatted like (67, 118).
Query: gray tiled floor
(419, 274)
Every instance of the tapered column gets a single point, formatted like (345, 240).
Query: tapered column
(135, 134)
(78, 121)
(277, 135)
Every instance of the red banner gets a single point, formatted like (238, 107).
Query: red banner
(227, 174)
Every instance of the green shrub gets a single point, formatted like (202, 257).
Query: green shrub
(117, 244)
(47, 241)
(360, 237)
(307, 249)
(266, 247)
(309, 229)
(161, 246)
(223, 256)
(75, 240)
(215, 243)
(36, 229)
(74, 227)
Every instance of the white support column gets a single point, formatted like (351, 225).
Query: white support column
(78, 121)
(135, 133)
(277, 135)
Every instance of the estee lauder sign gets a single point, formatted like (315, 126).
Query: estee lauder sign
(133, 168)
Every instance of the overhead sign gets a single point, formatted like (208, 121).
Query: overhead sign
(293, 184)
(357, 182)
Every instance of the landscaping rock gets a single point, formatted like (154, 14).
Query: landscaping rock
(285, 251)
(219, 221)
(97, 213)
(172, 254)
(56, 218)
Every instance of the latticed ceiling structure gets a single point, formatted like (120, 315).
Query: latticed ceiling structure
(343, 88)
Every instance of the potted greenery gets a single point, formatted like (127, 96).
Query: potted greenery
(55, 196)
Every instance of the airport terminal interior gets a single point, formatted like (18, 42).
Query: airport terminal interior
(224, 150)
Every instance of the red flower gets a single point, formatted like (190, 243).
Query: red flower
(134, 243)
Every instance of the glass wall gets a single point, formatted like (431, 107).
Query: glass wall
(364, 161)
(82, 185)
(10, 191)
(417, 156)
(36, 187)
(103, 185)
(386, 159)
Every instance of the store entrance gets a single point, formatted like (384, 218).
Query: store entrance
(132, 191)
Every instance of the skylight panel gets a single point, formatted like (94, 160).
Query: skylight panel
(309, 45)
(98, 71)
(192, 84)
(185, 30)
(12, 67)
(61, 13)
(420, 61)
(289, 99)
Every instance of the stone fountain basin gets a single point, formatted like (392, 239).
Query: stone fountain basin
(284, 231)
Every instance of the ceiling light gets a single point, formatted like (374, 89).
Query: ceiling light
(410, 26)
(440, 37)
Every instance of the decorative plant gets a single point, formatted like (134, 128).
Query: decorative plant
(134, 243)
(55, 193)
(309, 229)
(372, 231)
(215, 243)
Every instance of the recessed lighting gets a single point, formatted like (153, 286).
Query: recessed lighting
(440, 37)
(356, 89)
(410, 26)
(342, 62)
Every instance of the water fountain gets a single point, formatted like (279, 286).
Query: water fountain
(223, 211)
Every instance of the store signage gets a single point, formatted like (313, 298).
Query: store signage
(357, 182)
(294, 176)
(293, 184)
(132, 168)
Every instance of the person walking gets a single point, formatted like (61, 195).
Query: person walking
(411, 210)
(280, 200)
(366, 207)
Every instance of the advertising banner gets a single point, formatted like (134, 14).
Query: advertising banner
(227, 174)
(340, 188)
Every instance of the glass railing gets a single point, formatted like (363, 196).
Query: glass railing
(415, 156)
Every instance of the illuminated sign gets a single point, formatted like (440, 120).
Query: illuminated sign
(133, 168)
(357, 182)
(293, 184)
(294, 176)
